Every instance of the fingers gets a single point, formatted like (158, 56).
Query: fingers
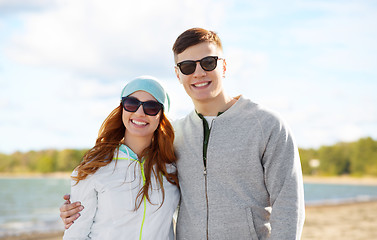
(68, 210)
(68, 225)
(69, 221)
(68, 206)
(66, 197)
(68, 216)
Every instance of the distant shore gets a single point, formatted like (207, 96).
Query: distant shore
(36, 175)
(342, 180)
(307, 179)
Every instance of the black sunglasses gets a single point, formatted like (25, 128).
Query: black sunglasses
(151, 108)
(208, 64)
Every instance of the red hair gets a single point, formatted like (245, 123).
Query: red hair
(159, 153)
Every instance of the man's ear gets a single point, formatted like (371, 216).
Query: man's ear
(224, 68)
(177, 74)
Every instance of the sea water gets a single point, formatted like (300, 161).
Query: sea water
(317, 194)
(32, 204)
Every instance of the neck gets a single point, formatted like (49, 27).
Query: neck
(212, 107)
(137, 144)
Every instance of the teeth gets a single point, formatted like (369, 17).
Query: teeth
(201, 84)
(139, 123)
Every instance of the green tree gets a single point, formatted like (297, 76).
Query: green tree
(334, 160)
(364, 157)
(5, 163)
(68, 159)
(306, 155)
(45, 164)
(18, 162)
(47, 161)
(355, 158)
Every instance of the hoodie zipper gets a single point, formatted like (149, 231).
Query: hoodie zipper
(205, 147)
(144, 198)
(205, 180)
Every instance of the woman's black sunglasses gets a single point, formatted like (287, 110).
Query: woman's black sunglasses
(151, 108)
(208, 64)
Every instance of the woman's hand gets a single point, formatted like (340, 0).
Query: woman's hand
(69, 212)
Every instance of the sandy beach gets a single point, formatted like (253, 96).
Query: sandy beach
(36, 236)
(356, 221)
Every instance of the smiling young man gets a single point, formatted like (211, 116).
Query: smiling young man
(239, 168)
(238, 165)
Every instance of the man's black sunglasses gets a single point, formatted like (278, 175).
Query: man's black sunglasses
(151, 108)
(208, 64)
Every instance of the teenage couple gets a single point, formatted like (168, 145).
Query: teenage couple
(234, 169)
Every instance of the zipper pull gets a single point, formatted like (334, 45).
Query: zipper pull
(205, 172)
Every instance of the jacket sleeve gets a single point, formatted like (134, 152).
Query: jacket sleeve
(283, 178)
(86, 193)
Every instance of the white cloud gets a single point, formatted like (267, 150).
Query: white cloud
(246, 70)
(106, 38)
(343, 35)
(349, 132)
(4, 102)
(15, 6)
(181, 103)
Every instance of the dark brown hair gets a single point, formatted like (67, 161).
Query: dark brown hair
(156, 156)
(195, 36)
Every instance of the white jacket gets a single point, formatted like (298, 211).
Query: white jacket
(108, 197)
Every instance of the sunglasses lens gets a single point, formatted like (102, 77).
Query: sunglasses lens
(187, 67)
(151, 108)
(208, 63)
(131, 104)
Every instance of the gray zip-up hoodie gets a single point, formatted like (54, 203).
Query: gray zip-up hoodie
(252, 188)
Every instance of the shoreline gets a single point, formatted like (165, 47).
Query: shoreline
(369, 181)
(347, 221)
(36, 175)
(372, 181)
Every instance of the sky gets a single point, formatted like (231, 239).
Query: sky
(63, 64)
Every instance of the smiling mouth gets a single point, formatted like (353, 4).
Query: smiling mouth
(198, 85)
(139, 123)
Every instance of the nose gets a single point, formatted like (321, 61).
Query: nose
(140, 110)
(199, 71)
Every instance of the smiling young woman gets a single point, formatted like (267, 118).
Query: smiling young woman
(127, 182)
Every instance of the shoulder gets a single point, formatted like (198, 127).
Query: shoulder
(247, 109)
(187, 123)
(269, 121)
(101, 171)
(180, 121)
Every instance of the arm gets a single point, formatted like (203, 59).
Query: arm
(85, 192)
(284, 182)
